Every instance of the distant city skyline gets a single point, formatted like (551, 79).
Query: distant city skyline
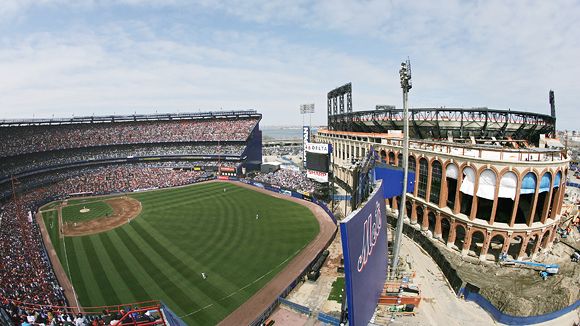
(119, 57)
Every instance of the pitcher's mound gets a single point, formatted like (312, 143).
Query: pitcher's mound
(124, 210)
(85, 210)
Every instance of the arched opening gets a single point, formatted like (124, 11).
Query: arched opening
(505, 197)
(555, 194)
(467, 187)
(391, 158)
(485, 194)
(422, 182)
(459, 236)
(419, 210)
(515, 247)
(451, 174)
(383, 156)
(436, 171)
(495, 246)
(531, 245)
(412, 168)
(527, 193)
(445, 229)
(546, 239)
(477, 239)
(409, 209)
(544, 192)
(432, 221)
(400, 160)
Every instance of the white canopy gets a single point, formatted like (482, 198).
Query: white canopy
(486, 187)
(508, 185)
(468, 182)
(451, 171)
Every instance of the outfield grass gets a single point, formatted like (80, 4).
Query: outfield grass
(71, 213)
(180, 234)
(51, 221)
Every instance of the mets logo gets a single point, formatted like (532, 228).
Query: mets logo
(371, 231)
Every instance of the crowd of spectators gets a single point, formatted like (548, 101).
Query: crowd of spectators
(25, 271)
(288, 178)
(282, 150)
(35, 161)
(32, 139)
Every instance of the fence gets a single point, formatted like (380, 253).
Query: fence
(300, 308)
(471, 293)
(328, 319)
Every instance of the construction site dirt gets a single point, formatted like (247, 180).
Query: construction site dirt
(520, 291)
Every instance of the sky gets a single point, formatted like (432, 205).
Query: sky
(99, 57)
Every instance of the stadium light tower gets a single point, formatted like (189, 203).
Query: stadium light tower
(405, 75)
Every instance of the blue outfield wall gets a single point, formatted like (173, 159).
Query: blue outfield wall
(514, 320)
(364, 246)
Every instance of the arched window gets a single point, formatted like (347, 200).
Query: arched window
(451, 173)
(435, 182)
(400, 159)
(423, 169)
(486, 187)
(412, 163)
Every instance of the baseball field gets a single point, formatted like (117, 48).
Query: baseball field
(238, 238)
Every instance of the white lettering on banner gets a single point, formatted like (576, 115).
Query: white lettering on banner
(371, 231)
(317, 148)
(317, 175)
(305, 140)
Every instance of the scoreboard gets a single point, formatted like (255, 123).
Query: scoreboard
(317, 161)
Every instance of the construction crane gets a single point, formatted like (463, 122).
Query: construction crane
(547, 269)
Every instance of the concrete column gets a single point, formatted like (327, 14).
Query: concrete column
(523, 247)
(473, 212)
(547, 202)
(429, 176)
(485, 247)
(413, 212)
(530, 220)
(516, 202)
(443, 194)
(438, 234)
(425, 222)
(451, 237)
(506, 243)
(467, 242)
(562, 192)
(457, 206)
(495, 199)
(417, 169)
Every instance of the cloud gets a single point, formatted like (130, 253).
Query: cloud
(274, 55)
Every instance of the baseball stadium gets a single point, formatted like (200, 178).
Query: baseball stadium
(142, 219)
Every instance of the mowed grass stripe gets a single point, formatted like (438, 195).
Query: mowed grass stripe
(94, 294)
(111, 270)
(75, 275)
(114, 249)
(168, 278)
(106, 287)
(191, 270)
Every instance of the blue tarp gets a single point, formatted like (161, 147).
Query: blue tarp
(393, 180)
(528, 184)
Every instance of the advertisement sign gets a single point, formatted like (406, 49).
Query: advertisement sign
(317, 148)
(364, 246)
(317, 176)
(305, 140)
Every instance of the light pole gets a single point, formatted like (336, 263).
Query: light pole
(405, 75)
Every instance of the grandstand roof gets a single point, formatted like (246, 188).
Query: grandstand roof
(130, 118)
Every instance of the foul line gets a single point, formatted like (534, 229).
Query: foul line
(247, 285)
(67, 265)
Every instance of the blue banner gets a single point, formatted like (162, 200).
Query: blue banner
(393, 180)
(364, 246)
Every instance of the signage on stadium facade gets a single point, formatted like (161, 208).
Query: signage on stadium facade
(317, 175)
(305, 140)
(364, 245)
(317, 148)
